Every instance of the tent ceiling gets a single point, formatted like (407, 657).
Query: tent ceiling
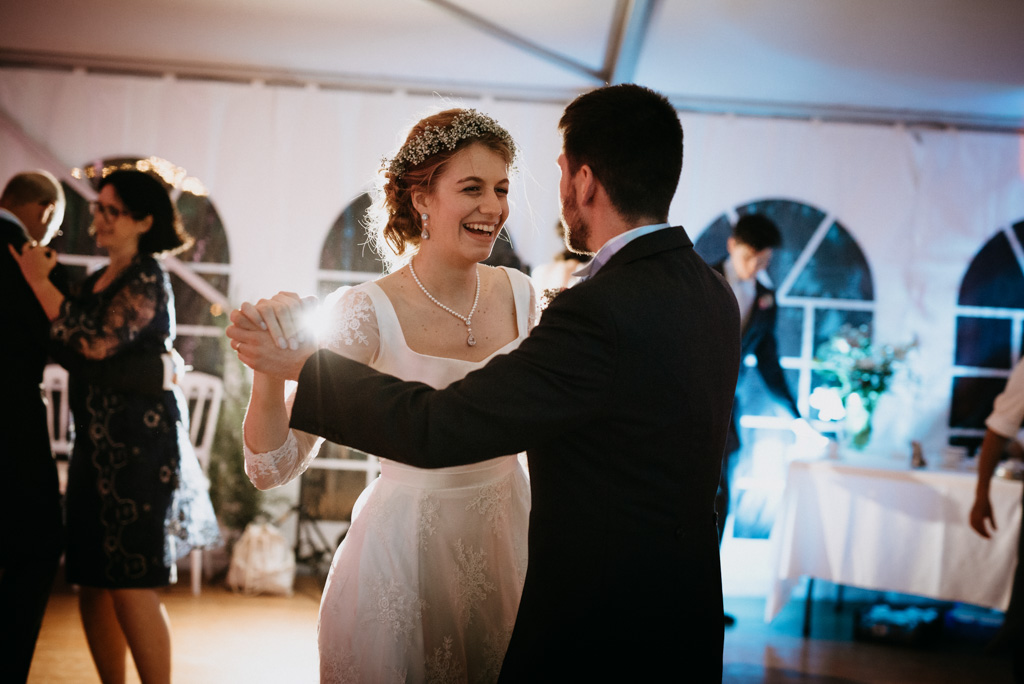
(928, 61)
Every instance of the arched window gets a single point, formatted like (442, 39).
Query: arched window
(199, 276)
(989, 332)
(822, 282)
(347, 257)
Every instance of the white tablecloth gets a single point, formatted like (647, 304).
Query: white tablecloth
(874, 525)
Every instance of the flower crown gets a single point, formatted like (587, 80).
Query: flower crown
(469, 123)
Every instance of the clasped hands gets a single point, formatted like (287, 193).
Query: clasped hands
(34, 260)
(273, 336)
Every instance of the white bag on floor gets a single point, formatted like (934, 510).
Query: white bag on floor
(262, 562)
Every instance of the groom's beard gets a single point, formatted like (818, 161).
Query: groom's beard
(577, 231)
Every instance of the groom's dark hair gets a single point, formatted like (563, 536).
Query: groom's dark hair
(631, 138)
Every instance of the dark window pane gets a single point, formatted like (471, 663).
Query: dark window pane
(836, 270)
(504, 253)
(972, 401)
(204, 354)
(346, 247)
(788, 330)
(711, 243)
(983, 342)
(994, 277)
(1018, 230)
(202, 222)
(828, 322)
(972, 443)
(193, 308)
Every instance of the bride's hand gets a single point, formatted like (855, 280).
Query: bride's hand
(35, 261)
(286, 317)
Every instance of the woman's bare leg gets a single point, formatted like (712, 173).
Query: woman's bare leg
(103, 633)
(147, 630)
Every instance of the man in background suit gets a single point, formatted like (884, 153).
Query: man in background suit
(31, 534)
(621, 397)
(750, 251)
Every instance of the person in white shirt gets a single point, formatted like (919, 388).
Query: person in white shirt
(1001, 426)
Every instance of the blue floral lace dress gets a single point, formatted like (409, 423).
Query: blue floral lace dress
(137, 498)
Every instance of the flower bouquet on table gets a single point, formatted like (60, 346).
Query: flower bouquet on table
(859, 372)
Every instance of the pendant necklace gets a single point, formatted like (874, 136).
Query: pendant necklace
(468, 319)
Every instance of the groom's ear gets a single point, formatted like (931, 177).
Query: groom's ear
(586, 184)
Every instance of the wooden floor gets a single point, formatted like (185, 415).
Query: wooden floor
(220, 637)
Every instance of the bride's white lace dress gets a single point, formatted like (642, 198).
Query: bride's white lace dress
(426, 584)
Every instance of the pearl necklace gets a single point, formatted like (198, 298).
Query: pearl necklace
(467, 319)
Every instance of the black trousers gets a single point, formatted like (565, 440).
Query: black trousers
(24, 591)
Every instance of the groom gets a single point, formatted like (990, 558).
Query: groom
(621, 397)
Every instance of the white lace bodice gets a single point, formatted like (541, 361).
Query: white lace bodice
(363, 326)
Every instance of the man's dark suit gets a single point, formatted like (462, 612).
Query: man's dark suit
(31, 533)
(758, 338)
(31, 524)
(621, 397)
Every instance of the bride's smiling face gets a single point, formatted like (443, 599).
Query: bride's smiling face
(468, 204)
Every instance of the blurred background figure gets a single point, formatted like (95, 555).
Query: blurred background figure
(1001, 426)
(136, 496)
(31, 535)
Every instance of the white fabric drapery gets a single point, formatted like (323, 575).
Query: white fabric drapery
(282, 162)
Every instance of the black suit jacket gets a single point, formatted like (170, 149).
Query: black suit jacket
(30, 503)
(621, 397)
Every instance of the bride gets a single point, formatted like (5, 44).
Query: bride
(426, 584)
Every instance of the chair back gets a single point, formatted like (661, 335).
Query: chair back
(203, 394)
(58, 412)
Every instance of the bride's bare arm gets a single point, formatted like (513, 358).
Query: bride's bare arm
(274, 454)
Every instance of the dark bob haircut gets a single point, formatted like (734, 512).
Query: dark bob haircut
(144, 195)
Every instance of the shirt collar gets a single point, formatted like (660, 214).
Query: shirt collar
(15, 220)
(610, 248)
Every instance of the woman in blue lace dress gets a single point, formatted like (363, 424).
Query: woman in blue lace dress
(136, 499)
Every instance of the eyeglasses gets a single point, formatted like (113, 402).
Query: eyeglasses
(109, 211)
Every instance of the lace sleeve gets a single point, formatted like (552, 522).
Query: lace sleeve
(285, 463)
(351, 331)
(100, 331)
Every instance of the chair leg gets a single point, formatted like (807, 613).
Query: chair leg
(808, 605)
(197, 571)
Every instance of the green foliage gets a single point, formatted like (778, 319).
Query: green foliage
(856, 366)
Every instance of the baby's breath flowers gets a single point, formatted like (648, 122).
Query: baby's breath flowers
(468, 124)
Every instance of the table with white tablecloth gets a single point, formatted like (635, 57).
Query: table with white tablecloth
(879, 525)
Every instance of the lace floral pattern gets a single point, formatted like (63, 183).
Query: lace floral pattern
(495, 646)
(429, 507)
(443, 667)
(353, 313)
(471, 580)
(398, 609)
(492, 502)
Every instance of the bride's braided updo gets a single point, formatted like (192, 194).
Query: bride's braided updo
(394, 224)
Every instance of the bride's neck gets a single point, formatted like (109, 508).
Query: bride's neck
(446, 281)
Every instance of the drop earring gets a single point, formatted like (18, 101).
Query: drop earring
(424, 233)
